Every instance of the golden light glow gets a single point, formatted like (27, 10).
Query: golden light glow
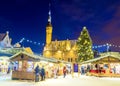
(28, 49)
(60, 50)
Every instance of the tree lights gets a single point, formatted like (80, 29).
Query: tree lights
(84, 46)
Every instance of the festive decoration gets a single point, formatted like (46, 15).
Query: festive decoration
(30, 41)
(104, 45)
(84, 45)
(108, 45)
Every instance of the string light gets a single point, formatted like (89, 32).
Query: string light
(105, 45)
(30, 41)
(39, 44)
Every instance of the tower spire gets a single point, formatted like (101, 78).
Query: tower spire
(49, 28)
(49, 14)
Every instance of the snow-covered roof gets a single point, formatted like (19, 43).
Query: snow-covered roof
(2, 36)
(5, 54)
(33, 56)
(24, 53)
(115, 55)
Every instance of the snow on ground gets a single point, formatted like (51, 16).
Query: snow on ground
(82, 80)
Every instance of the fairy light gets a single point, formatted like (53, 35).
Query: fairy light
(30, 41)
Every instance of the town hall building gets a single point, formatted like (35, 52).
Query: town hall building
(59, 49)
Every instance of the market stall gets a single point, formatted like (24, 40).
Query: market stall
(106, 66)
(62, 64)
(48, 65)
(4, 63)
(24, 66)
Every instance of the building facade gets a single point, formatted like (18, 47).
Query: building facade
(59, 49)
(5, 40)
(8, 48)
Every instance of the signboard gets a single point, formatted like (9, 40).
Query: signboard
(75, 67)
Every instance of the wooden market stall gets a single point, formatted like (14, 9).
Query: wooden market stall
(4, 62)
(107, 65)
(24, 65)
(49, 65)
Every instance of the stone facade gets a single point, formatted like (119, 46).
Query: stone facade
(59, 49)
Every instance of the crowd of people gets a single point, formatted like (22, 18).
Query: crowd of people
(40, 73)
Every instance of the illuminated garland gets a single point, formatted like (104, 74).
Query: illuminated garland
(30, 41)
(39, 44)
(106, 45)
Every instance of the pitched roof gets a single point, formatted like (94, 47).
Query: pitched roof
(25, 53)
(113, 54)
(2, 35)
(33, 56)
(5, 54)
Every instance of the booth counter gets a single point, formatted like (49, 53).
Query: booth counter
(23, 66)
(104, 66)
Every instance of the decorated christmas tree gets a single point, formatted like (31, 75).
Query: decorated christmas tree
(84, 46)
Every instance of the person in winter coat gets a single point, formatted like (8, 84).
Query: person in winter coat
(42, 74)
(37, 73)
(64, 71)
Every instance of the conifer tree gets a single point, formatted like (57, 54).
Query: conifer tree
(84, 46)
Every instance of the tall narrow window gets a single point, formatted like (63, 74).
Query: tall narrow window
(71, 59)
(68, 59)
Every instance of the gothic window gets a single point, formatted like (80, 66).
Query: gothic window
(68, 59)
(71, 59)
(76, 59)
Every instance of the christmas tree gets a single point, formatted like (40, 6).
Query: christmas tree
(84, 46)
